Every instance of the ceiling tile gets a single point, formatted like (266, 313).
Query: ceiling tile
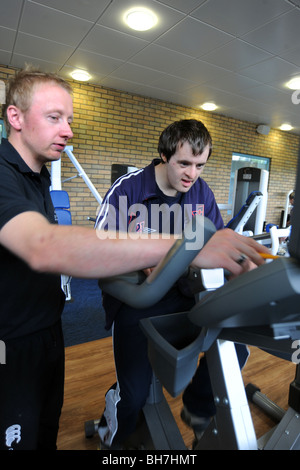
(112, 43)
(119, 84)
(20, 61)
(243, 115)
(160, 58)
(42, 49)
(200, 94)
(199, 71)
(5, 57)
(85, 9)
(10, 13)
(136, 73)
(292, 55)
(53, 25)
(251, 106)
(169, 82)
(238, 17)
(270, 70)
(236, 55)
(186, 6)
(7, 39)
(193, 38)
(161, 94)
(269, 95)
(279, 35)
(232, 82)
(94, 63)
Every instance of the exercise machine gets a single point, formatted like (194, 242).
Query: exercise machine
(118, 170)
(61, 204)
(248, 180)
(239, 221)
(212, 326)
(287, 208)
(270, 320)
(61, 201)
(56, 174)
(157, 428)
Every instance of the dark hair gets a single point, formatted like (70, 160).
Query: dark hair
(187, 130)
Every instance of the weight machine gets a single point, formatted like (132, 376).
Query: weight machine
(56, 174)
(61, 201)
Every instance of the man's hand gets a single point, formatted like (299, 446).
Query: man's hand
(231, 251)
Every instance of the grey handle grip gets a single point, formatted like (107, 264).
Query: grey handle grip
(173, 265)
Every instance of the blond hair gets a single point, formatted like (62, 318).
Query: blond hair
(20, 88)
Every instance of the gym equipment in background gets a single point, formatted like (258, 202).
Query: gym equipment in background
(248, 180)
(61, 203)
(239, 221)
(118, 170)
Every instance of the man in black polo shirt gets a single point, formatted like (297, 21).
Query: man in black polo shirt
(34, 251)
(38, 115)
(31, 302)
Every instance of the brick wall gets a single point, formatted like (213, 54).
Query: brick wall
(112, 126)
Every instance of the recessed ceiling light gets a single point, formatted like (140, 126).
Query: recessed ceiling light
(294, 83)
(80, 75)
(286, 127)
(209, 106)
(140, 19)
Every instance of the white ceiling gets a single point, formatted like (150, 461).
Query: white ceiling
(237, 53)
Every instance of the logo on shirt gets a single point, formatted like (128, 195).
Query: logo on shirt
(199, 210)
(140, 228)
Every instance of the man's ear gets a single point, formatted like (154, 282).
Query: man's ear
(163, 157)
(14, 117)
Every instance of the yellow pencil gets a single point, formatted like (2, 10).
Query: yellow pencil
(268, 256)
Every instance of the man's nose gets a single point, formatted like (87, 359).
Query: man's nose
(66, 130)
(192, 172)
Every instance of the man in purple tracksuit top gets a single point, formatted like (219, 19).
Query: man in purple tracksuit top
(161, 198)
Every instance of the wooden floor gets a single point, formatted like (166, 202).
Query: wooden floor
(90, 372)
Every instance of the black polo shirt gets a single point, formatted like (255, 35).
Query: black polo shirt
(29, 301)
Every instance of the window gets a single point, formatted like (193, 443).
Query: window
(2, 130)
(240, 160)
